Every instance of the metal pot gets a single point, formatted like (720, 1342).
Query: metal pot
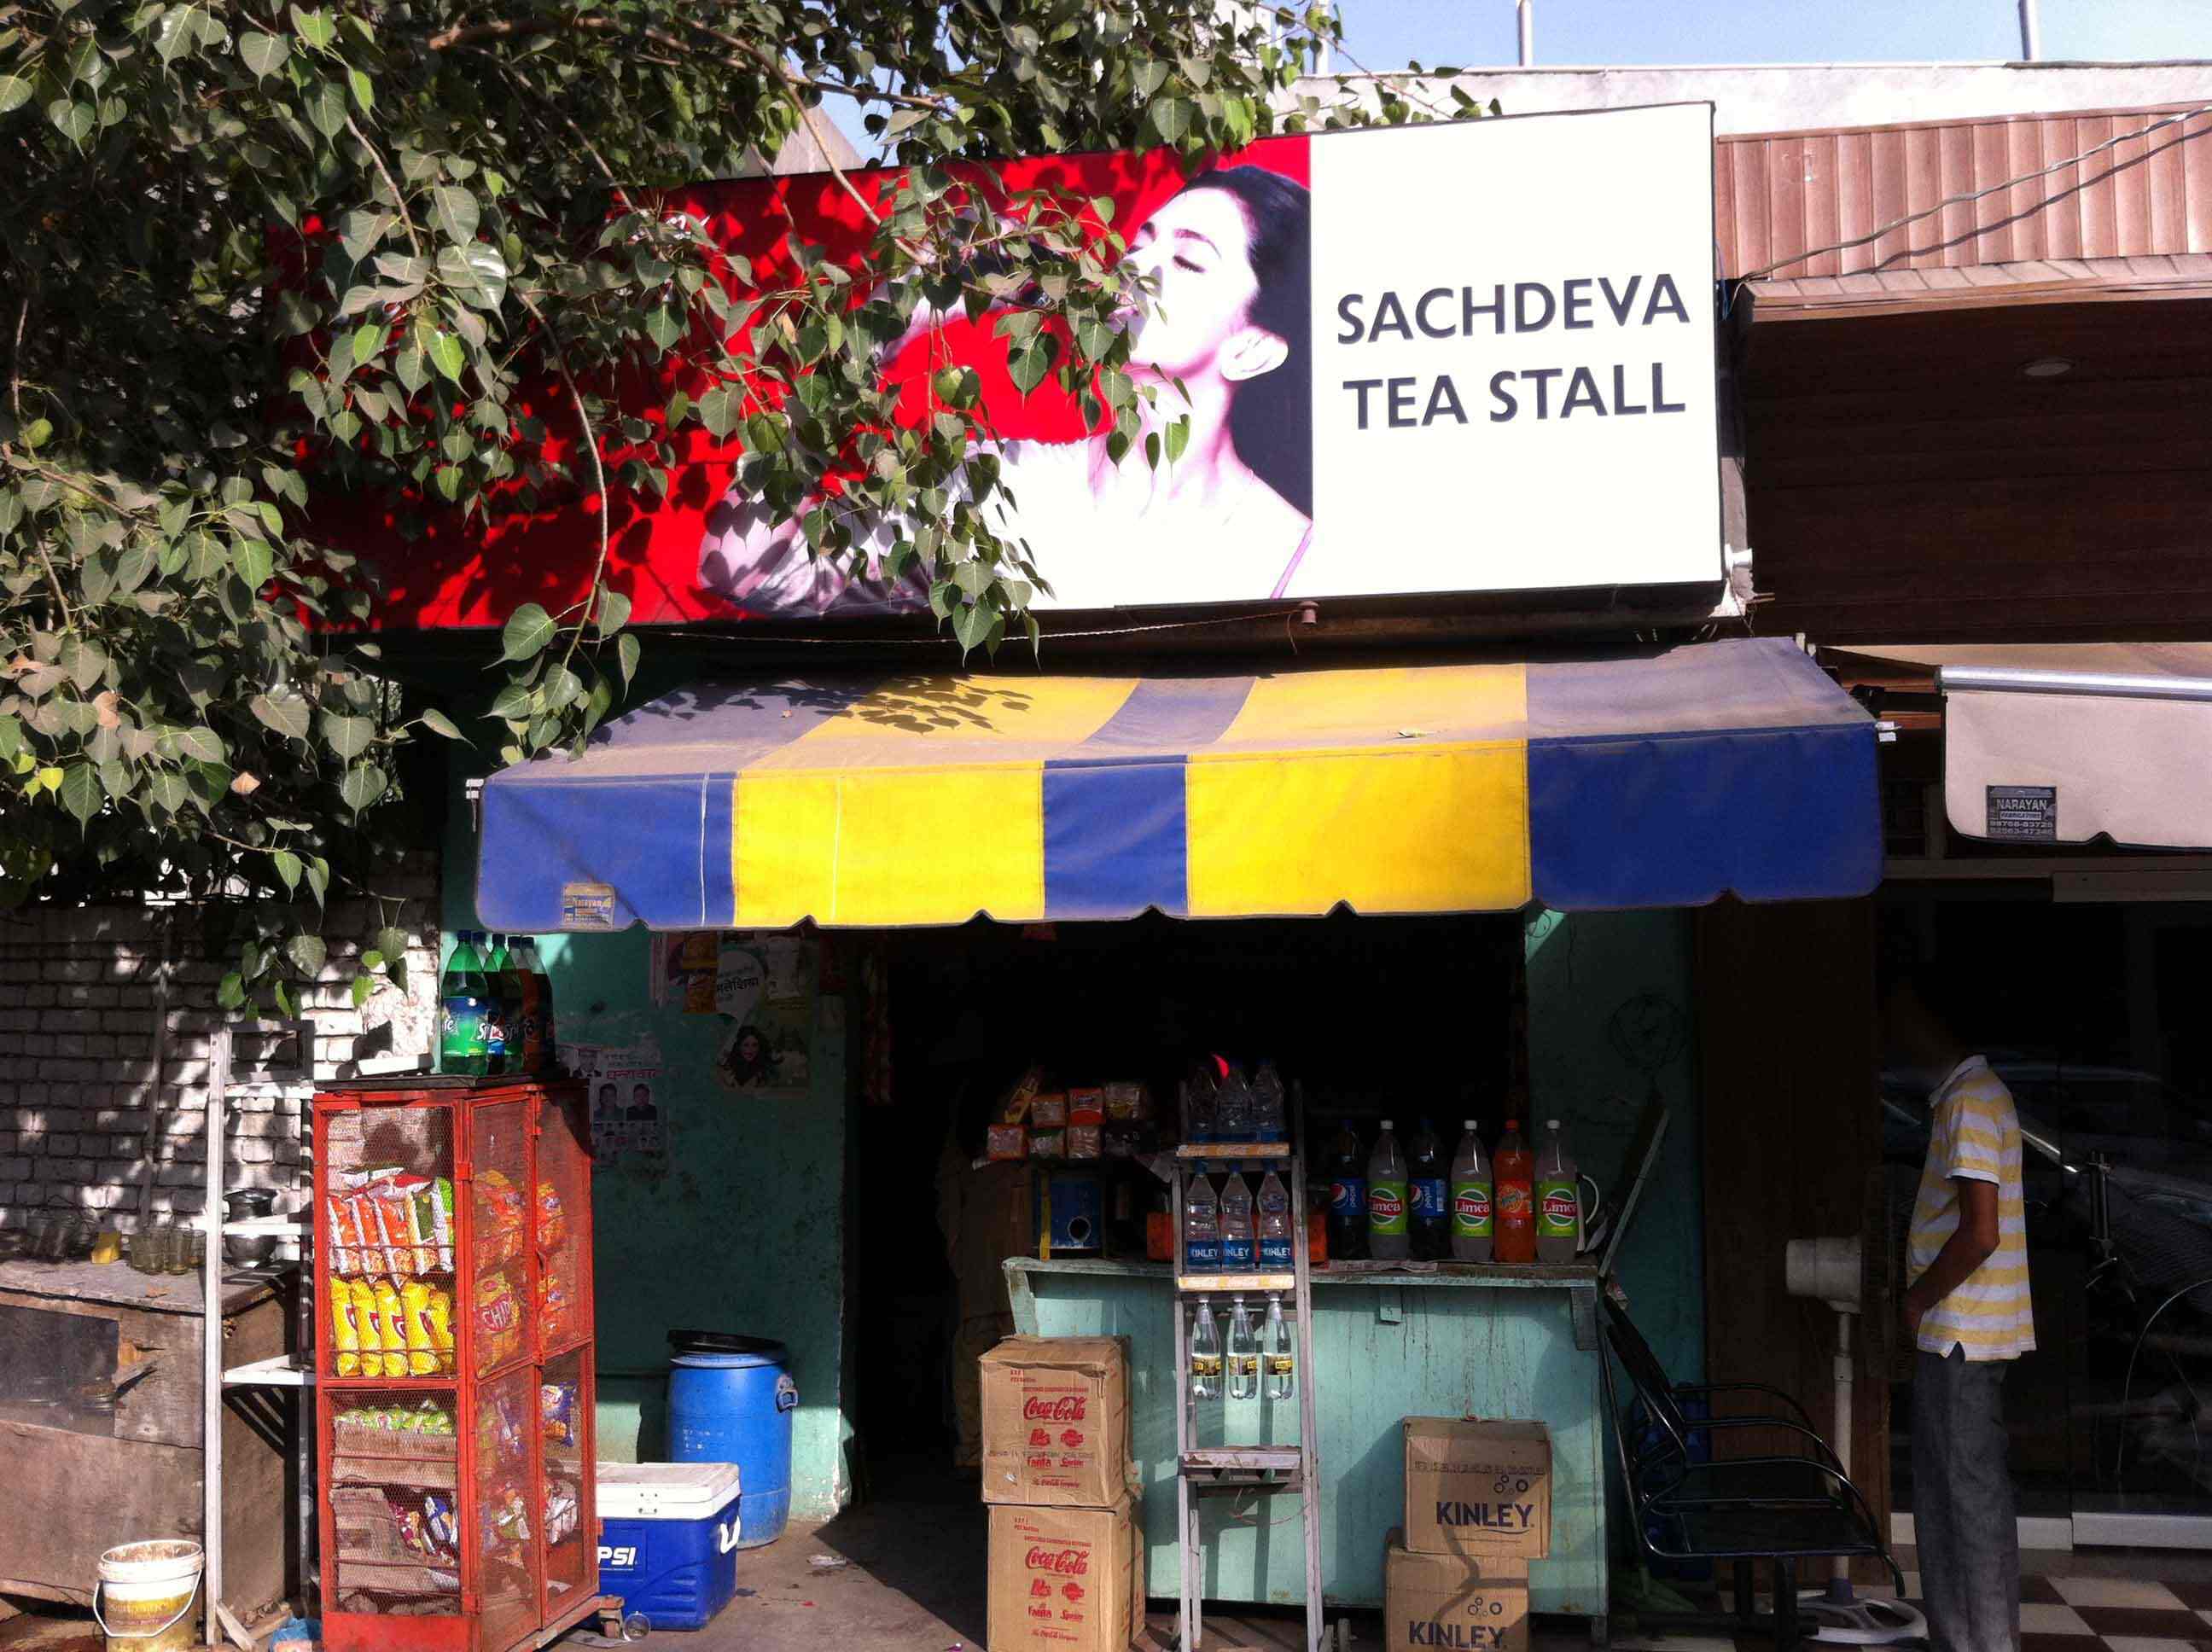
(244, 1206)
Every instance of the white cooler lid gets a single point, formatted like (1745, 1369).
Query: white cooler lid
(666, 1490)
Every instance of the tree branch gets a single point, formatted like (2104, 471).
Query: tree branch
(398, 200)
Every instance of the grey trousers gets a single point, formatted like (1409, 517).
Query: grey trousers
(1963, 1523)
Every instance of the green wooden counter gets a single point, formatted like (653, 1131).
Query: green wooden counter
(1517, 1342)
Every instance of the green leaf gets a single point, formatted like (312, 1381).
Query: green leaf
(326, 108)
(364, 783)
(627, 650)
(230, 992)
(319, 878)
(438, 723)
(363, 988)
(264, 54)
(719, 410)
(529, 628)
(284, 710)
(392, 943)
(307, 953)
(288, 868)
(614, 612)
(447, 356)
(201, 744)
(972, 626)
(1171, 118)
(14, 92)
(255, 562)
(368, 340)
(81, 792)
(177, 32)
(364, 94)
(316, 29)
(455, 212)
(169, 793)
(349, 737)
(74, 121)
(1178, 438)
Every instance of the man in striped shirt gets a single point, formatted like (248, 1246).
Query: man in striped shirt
(1967, 1309)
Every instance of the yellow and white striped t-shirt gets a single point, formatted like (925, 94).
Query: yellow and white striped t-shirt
(1975, 1137)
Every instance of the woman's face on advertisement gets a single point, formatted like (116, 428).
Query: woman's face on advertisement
(1197, 248)
(749, 1048)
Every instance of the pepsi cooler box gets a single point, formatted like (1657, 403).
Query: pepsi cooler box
(668, 1539)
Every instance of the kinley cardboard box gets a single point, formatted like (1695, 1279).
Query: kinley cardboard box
(1065, 1580)
(1475, 1487)
(1056, 1422)
(1466, 1604)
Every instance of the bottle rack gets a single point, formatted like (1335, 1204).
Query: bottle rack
(1203, 1471)
(458, 1510)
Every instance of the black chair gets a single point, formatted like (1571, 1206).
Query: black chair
(1788, 1501)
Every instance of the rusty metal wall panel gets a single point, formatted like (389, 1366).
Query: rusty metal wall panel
(1781, 196)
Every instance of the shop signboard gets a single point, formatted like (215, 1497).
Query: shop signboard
(1470, 357)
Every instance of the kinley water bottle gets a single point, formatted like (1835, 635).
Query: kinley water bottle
(1236, 1253)
(1205, 1353)
(1282, 1362)
(1275, 1236)
(1201, 1228)
(1243, 1353)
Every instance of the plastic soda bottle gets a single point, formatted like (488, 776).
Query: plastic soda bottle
(1205, 1353)
(1347, 1196)
(1559, 1199)
(1275, 1236)
(1429, 1186)
(502, 1021)
(464, 1002)
(1471, 1197)
(1201, 1228)
(1243, 1353)
(1270, 1115)
(537, 1018)
(1282, 1361)
(1514, 1233)
(1389, 1239)
(1237, 1255)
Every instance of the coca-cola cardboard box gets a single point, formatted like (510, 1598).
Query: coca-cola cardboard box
(1056, 1422)
(1465, 1603)
(1478, 1487)
(1065, 1580)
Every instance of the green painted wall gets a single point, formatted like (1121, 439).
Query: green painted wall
(1589, 973)
(746, 1232)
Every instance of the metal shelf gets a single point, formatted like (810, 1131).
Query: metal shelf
(1232, 1152)
(284, 1371)
(1234, 1285)
(267, 1227)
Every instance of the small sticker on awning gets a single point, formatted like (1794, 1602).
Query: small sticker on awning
(2024, 814)
(588, 906)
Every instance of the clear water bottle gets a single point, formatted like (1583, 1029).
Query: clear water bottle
(1559, 1199)
(1237, 1255)
(1282, 1362)
(1270, 1116)
(1201, 1228)
(1197, 1110)
(1232, 1108)
(1389, 1239)
(1275, 1236)
(1243, 1353)
(1471, 1198)
(1205, 1353)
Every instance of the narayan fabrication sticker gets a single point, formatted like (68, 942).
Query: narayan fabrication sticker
(588, 906)
(2024, 814)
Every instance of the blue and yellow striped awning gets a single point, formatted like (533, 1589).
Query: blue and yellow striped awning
(1658, 780)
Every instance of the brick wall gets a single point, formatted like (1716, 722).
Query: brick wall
(105, 1018)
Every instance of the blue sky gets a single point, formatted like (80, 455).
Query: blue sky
(1387, 34)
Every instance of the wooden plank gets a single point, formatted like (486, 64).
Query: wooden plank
(1787, 1050)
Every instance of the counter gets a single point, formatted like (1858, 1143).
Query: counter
(1451, 1340)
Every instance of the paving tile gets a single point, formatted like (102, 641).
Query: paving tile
(2042, 1590)
(2041, 1618)
(2029, 1643)
(2136, 1593)
(2143, 1622)
(2197, 1596)
(2149, 1644)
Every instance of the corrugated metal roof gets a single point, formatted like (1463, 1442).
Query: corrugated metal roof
(1780, 196)
(2038, 281)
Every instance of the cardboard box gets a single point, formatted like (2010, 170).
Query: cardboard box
(1466, 1604)
(1476, 1487)
(1056, 1422)
(1065, 1580)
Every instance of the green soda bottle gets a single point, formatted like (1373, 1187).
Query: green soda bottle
(464, 998)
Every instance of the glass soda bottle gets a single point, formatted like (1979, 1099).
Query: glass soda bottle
(1282, 1361)
(1388, 1219)
(1514, 1233)
(1559, 1199)
(1205, 1353)
(1243, 1353)
(1429, 1186)
(1237, 1255)
(462, 1001)
(1471, 1197)
(1201, 1228)
(1347, 1196)
(1275, 1238)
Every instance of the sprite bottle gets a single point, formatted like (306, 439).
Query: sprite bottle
(464, 1002)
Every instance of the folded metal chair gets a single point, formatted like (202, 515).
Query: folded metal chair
(1784, 1500)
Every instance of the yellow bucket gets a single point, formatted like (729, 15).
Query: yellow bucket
(143, 1601)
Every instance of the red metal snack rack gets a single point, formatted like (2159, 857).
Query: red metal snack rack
(454, 1388)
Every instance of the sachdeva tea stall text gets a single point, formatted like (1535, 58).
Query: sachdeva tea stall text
(1406, 357)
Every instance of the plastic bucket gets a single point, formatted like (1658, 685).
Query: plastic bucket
(729, 1401)
(143, 1600)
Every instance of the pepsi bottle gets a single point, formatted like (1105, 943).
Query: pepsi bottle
(1347, 1197)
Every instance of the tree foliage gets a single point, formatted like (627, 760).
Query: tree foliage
(253, 247)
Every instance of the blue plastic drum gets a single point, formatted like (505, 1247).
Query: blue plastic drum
(729, 1401)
